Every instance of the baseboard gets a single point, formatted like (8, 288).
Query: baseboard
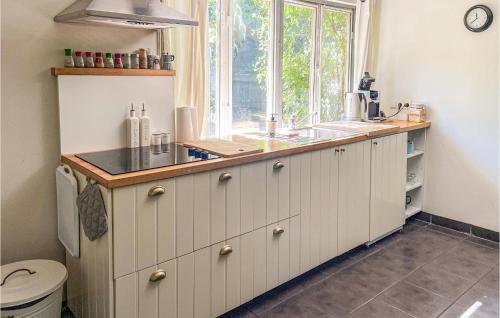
(466, 228)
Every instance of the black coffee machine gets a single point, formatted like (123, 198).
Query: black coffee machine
(370, 111)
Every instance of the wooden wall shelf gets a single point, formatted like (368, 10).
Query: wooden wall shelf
(56, 71)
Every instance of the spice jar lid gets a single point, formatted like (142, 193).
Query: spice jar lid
(88, 54)
(98, 54)
(78, 53)
(68, 52)
(109, 55)
(117, 55)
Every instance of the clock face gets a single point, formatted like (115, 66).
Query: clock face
(478, 18)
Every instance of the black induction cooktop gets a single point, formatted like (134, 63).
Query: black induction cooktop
(125, 160)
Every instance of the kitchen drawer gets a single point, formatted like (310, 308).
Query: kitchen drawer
(143, 226)
(282, 252)
(278, 189)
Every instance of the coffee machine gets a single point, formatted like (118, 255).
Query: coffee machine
(363, 104)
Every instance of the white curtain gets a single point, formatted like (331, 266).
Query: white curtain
(362, 37)
(190, 47)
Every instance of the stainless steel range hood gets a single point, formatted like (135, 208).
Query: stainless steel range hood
(143, 14)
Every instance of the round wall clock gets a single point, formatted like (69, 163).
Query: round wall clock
(478, 18)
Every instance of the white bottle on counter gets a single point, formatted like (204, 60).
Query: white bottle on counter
(132, 129)
(145, 128)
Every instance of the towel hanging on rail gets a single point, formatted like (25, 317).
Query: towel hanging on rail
(92, 211)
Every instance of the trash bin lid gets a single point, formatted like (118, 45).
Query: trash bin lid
(26, 281)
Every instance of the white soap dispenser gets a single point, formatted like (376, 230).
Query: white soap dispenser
(132, 129)
(145, 128)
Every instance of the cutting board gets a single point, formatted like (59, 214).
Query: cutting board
(367, 129)
(224, 148)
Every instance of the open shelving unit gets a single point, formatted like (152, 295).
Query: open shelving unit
(57, 71)
(416, 165)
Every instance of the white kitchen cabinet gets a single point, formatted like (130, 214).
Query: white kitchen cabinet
(144, 233)
(388, 180)
(225, 213)
(329, 192)
(278, 190)
(354, 196)
(253, 194)
(138, 295)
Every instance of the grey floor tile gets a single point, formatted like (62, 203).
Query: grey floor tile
(462, 266)
(440, 282)
(415, 301)
(491, 280)
(303, 306)
(240, 312)
(477, 302)
(483, 242)
(348, 259)
(377, 309)
(274, 298)
(477, 252)
(397, 262)
(333, 294)
(447, 231)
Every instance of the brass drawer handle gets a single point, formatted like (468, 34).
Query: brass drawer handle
(278, 165)
(375, 143)
(278, 230)
(156, 191)
(225, 177)
(225, 250)
(342, 150)
(157, 276)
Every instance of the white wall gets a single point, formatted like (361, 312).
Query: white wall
(424, 53)
(31, 44)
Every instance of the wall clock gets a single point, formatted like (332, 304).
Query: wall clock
(478, 18)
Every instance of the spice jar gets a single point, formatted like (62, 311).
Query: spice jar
(126, 60)
(79, 59)
(156, 62)
(109, 61)
(143, 59)
(417, 113)
(134, 60)
(89, 60)
(68, 58)
(118, 60)
(99, 60)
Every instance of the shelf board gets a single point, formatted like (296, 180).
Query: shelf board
(57, 71)
(410, 187)
(411, 211)
(416, 153)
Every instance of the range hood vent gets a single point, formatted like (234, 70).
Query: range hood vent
(141, 14)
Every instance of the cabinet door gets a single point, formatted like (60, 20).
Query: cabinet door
(225, 204)
(388, 169)
(329, 203)
(126, 302)
(354, 196)
(278, 253)
(305, 212)
(137, 242)
(253, 194)
(278, 190)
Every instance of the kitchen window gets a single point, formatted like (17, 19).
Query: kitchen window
(292, 58)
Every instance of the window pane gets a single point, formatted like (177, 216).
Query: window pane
(336, 28)
(250, 65)
(212, 120)
(298, 37)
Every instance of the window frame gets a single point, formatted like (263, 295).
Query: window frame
(275, 74)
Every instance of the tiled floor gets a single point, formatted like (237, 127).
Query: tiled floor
(425, 271)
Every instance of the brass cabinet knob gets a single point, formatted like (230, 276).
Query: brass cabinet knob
(225, 177)
(157, 275)
(342, 150)
(375, 143)
(278, 165)
(278, 230)
(337, 151)
(156, 191)
(225, 250)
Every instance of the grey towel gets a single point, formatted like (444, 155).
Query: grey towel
(92, 211)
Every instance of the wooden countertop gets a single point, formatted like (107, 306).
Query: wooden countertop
(272, 149)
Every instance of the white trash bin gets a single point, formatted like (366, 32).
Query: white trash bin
(32, 289)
